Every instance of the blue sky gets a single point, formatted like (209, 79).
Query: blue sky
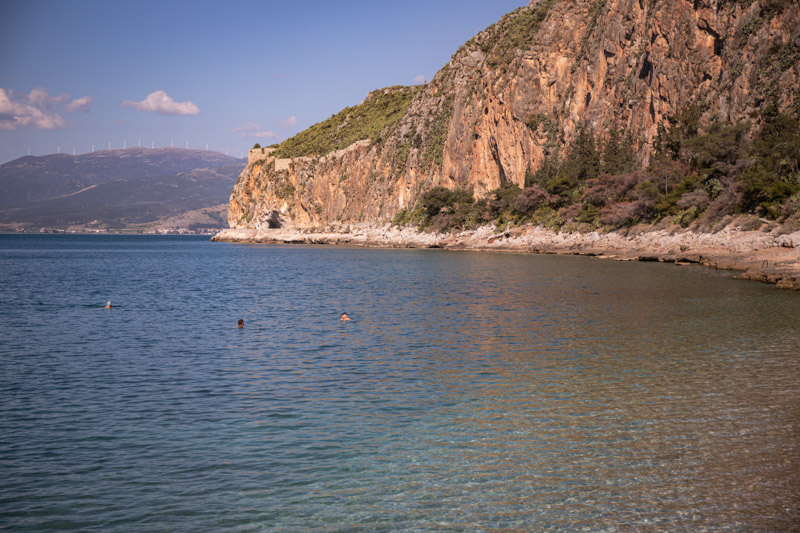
(226, 74)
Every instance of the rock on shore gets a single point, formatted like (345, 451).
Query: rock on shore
(763, 256)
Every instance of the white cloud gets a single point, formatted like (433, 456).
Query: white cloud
(80, 104)
(289, 121)
(30, 110)
(420, 79)
(250, 130)
(39, 98)
(160, 102)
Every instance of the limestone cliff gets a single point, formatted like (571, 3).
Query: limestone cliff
(521, 89)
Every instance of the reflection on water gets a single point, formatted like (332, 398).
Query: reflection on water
(491, 392)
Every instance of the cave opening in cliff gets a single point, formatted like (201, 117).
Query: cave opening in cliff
(274, 220)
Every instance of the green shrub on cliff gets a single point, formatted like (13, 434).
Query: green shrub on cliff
(436, 138)
(740, 170)
(514, 31)
(371, 119)
(564, 177)
(284, 189)
(441, 209)
(773, 178)
(618, 155)
(672, 133)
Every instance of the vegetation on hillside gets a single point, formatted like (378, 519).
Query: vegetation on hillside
(514, 32)
(373, 119)
(695, 176)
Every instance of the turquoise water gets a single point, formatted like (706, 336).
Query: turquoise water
(472, 392)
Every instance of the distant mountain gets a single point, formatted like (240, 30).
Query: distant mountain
(34, 178)
(113, 189)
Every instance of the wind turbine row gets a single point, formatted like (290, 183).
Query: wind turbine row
(125, 145)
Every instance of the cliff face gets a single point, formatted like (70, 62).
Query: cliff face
(521, 89)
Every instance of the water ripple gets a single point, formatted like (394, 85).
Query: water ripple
(473, 392)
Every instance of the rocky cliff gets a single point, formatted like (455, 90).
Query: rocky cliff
(523, 89)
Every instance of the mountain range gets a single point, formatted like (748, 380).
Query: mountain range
(118, 189)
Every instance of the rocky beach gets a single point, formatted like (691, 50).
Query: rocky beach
(770, 255)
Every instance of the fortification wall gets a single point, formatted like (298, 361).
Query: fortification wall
(259, 154)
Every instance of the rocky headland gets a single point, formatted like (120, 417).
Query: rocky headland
(629, 129)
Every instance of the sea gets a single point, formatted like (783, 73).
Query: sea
(472, 391)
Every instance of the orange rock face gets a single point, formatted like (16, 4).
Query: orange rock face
(522, 88)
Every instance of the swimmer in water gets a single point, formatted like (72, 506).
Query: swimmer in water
(108, 306)
(346, 318)
(240, 324)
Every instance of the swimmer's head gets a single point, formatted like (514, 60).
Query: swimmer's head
(240, 323)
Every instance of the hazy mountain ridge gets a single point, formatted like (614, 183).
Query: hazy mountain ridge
(33, 178)
(113, 189)
(523, 91)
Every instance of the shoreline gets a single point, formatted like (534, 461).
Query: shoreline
(763, 256)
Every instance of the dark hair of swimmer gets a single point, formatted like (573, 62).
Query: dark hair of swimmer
(241, 323)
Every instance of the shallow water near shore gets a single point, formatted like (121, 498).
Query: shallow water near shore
(473, 391)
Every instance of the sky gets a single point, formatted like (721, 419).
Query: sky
(84, 74)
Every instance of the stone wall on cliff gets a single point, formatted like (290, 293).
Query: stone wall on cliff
(522, 88)
(259, 154)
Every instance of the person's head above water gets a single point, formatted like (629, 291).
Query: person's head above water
(345, 318)
(240, 323)
(108, 305)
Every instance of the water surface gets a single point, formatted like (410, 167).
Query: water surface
(473, 391)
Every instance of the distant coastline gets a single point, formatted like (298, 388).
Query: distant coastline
(769, 257)
(55, 231)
